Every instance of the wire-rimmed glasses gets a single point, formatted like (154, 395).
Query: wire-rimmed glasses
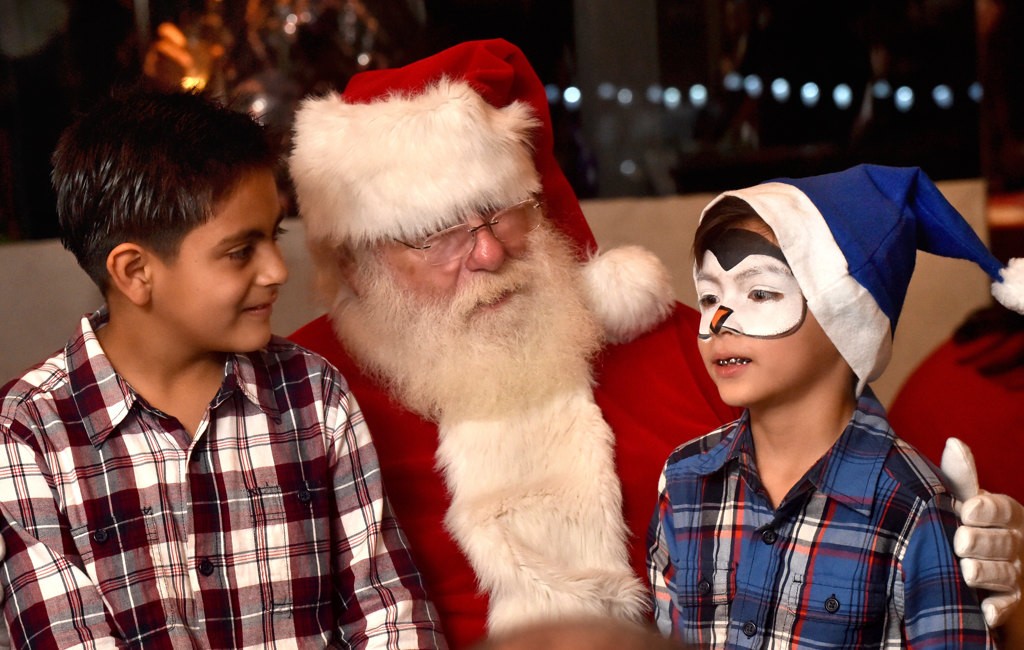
(509, 225)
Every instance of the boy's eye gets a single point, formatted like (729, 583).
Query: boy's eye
(764, 295)
(241, 254)
(279, 231)
(707, 301)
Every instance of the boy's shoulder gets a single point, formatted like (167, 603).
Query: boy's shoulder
(705, 449)
(914, 473)
(40, 389)
(284, 363)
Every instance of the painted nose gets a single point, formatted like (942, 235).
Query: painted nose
(488, 253)
(718, 320)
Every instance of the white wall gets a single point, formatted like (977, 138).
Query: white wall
(43, 292)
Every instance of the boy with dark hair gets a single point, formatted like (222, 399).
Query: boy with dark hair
(176, 476)
(806, 522)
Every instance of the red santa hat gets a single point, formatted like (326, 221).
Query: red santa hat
(408, 151)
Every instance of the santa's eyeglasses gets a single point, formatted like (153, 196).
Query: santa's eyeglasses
(509, 225)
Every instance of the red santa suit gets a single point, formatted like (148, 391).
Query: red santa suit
(653, 391)
(402, 153)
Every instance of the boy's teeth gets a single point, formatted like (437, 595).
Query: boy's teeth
(733, 361)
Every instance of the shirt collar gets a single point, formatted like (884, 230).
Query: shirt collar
(251, 374)
(848, 472)
(104, 399)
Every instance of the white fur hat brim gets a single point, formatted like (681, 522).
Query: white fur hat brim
(406, 166)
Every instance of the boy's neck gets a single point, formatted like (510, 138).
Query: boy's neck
(180, 383)
(790, 438)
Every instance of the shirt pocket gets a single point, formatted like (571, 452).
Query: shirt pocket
(118, 556)
(702, 597)
(271, 568)
(290, 545)
(838, 611)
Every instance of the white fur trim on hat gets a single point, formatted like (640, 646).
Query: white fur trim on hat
(844, 308)
(630, 291)
(408, 165)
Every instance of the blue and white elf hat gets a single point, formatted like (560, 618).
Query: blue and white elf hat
(852, 238)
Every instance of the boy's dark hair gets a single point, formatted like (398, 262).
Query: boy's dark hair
(728, 213)
(148, 167)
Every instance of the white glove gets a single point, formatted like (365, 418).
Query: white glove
(990, 538)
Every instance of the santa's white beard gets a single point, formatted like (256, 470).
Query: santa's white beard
(526, 454)
(459, 358)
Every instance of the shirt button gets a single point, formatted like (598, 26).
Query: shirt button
(769, 536)
(749, 628)
(101, 536)
(205, 566)
(305, 496)
(703, 587)
(831, 604)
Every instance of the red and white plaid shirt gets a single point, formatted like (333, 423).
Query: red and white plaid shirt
(269, 528)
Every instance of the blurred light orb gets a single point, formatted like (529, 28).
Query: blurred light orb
(572, 97)
(627, 167)
(552, 92)
(810, 94)
(699, 95)
(842, 96)
(975, 91)
(624, 96)
(654, 93)
(606, 90)
(904, 99)
(881, 89)
(672, 98)
(780, 90)
(753, 86)
(258, 106)
(733, 81)
(943, 96)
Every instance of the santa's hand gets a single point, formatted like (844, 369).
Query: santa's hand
(990, 538)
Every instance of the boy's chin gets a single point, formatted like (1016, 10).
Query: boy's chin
(249, 342)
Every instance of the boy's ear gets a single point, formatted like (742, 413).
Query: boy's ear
(130, 268)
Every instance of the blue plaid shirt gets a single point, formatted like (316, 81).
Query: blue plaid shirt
(858, 555)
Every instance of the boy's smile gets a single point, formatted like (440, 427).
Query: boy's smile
(218, 293)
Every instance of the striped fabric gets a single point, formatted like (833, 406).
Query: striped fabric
(269, 527)
(858, 554)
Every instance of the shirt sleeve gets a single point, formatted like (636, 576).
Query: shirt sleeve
(940, 610)
(385, 605)
(659, 564)
(49, 599)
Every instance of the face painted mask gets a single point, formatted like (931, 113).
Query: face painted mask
(745, 286)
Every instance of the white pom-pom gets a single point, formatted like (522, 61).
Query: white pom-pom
(1010, 292)
(629, 289)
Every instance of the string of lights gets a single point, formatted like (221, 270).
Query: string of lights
(810, 94)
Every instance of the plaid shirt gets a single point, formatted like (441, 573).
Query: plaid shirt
(858, 555)
(268, 528)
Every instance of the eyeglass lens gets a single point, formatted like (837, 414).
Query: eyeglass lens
(509, 226)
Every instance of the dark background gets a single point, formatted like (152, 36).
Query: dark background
(675, 96)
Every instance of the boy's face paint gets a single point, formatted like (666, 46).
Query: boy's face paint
(745, 286)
